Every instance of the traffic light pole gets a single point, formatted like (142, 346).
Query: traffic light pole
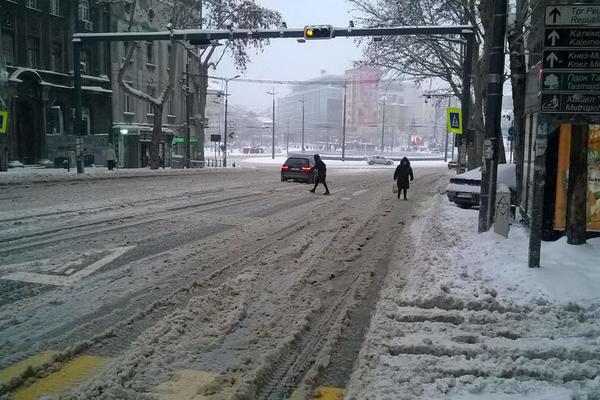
(225, 129)
(78, 123)
(188, 144)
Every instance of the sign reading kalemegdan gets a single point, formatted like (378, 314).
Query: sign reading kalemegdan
(571, 81)
(570, 103)
(572, 37)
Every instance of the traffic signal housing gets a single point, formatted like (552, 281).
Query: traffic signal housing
(313, 32)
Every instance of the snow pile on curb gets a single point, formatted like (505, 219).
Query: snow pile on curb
(42, 175)
(463, 317)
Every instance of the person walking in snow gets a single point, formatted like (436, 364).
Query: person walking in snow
(321, 169)
(401, 175)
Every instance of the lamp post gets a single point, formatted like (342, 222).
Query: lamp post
(302, 101)
(225, 134)
(344, 126)
(273, 138)
(383, 121)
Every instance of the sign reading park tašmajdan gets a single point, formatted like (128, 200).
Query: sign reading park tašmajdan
(571, 81)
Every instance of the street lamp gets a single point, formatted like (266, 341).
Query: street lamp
(302, 101)
(273, 141)
(225, 135)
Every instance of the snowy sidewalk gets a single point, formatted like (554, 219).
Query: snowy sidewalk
(463, 317)
(28, 175)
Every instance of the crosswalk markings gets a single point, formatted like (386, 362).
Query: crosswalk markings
(326, 393)
(17, 369)
(195, 385)
(71, 278)
(71, 374)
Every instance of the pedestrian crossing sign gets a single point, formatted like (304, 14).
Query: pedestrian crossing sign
(3, 121)
(455, 121)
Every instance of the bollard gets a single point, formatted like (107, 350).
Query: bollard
(503, 212)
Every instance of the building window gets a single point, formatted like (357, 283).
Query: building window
(127, 105)
(85, 117)
(171, 107)
(84, 10)
(152, 93)
(149, 53)
(84, 61)
(33, 52)
(56, 8)
(32, 4)
(55, 120)
(56, 57)
(8, 47)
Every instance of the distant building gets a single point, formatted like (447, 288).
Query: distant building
(322, 101)
(362, 97)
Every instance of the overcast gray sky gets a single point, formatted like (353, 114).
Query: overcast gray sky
(286, 59)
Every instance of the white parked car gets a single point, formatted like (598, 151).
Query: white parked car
(371, 160)
(464, 189)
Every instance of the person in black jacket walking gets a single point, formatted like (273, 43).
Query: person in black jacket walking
(321, 174)
(401, 175)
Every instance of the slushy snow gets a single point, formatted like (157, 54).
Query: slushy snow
(463, 317)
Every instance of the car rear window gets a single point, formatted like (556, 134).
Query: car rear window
(297, 162)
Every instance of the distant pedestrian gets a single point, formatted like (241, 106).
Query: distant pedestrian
(110, 158)
(401, 175)
(67, 165)
(321, 169)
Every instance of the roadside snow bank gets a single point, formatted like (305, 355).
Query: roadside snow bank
(463, 317)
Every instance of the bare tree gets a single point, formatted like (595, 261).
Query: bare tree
(430, 56)
(515, 33)
(182, 14)
(230, 14)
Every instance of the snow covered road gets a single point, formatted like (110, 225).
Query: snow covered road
(221, 284)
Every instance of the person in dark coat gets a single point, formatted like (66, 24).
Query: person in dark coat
(401, 175)
(321, 174)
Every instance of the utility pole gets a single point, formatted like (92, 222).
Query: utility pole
(287, 137)
(492, 117)
(225, 133)
(188, 145)
(344, 126)
(302, 101)
(539, 176)
(383, 122)
(273, 138)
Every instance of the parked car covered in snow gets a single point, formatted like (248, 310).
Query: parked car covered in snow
(464, 189)
(379, 160)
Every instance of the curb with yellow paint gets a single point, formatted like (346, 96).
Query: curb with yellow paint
(14, 371)
(71, 374)
(326, 393)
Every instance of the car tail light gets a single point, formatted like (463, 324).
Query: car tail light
(306, 169)
(285, 168)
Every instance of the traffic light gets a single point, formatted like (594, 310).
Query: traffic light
(312, 32)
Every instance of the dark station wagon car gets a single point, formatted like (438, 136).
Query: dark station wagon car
(299, 167)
